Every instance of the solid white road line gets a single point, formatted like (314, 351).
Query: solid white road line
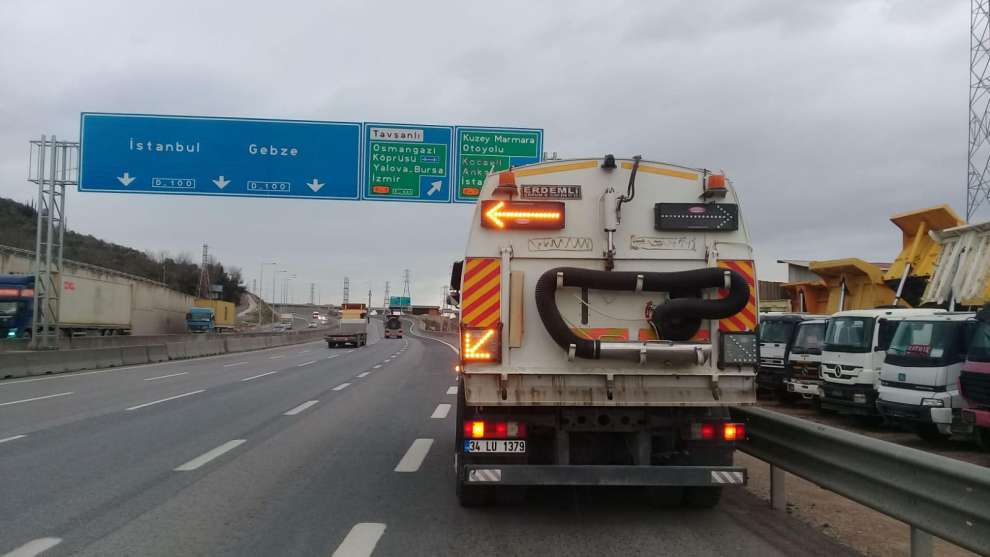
(165, 376)
(452, 390)
(14, 438)
(209, 455)
(361, 540)
(234, 364)
(276, 357)
(441, 411)
(376, 366)
(35, 547)
(342, 386)
(363, 374)
(302, 407)
(304, 364)
(414, 457)
(34, 398)
(259, 375)
(164, 400)
(449, 345)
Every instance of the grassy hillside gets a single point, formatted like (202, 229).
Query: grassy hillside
(17, 229)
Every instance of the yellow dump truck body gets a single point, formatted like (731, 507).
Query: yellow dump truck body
(224, 313)
(862, 283)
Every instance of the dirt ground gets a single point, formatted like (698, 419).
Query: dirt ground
(850, 523)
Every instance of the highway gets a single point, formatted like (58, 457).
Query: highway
(302, 450)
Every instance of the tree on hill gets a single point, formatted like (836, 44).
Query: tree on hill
(18, 222)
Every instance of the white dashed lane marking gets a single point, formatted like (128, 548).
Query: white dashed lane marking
(34, 399)
(342, 386)
(452, 390)
(361, 540)
(253, 377)
(302, 407)
(414, 457)
(152, 403)
(441, 411)
(209, 455)
(34, 547)
(166, 376)
(363, 374)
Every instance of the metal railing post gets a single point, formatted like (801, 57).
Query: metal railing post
(778, 495)
(922, 544)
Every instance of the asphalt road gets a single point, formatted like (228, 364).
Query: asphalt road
(294, 451)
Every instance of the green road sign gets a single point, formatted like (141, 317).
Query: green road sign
(481, 151)
(407, 162)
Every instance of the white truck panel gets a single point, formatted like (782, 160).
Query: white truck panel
(95, 303)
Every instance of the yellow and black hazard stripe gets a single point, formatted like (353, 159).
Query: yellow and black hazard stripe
(481, 292)
(745, 320)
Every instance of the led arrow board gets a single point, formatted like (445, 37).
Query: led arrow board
(696, 216)
(136, 153)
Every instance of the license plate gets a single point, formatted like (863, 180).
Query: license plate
(472, 446)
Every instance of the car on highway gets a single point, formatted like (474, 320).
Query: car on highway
(312, 325)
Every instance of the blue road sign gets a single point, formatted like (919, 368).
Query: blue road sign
(406, 162)
(135, 153)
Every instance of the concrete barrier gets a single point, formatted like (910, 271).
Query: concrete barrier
(176, 350)
(106, 352)
(157, 353)
(134, 355)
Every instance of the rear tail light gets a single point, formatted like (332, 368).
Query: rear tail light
(733, 432)
(712, 431)
(481, 345)
(485, 429)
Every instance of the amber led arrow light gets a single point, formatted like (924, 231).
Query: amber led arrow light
(539, 215)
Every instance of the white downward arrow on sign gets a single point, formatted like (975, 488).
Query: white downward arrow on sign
(126, 179)
(221, 182)
(434, 187)
(315, 186)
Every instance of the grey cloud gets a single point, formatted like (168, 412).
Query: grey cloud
(828, 116)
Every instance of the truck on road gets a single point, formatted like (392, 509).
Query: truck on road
(87, 306)
(604, 334)
(351, 329)
(207, 316)
(393, 326)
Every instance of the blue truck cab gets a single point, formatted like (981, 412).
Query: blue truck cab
(199, 320)
(16, 305)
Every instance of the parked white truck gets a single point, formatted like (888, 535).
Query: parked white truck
(856, 343)
(805, 360)
(919, 379)
(607, 315)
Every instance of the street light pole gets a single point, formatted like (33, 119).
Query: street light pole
(274, 299)
(261, 290)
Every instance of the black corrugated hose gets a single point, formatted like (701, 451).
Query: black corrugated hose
(678, 319)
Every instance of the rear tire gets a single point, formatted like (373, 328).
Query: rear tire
(930, 433)
(702, 497)
(982, 436)
(665, 497)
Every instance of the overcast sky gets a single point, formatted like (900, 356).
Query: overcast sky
(828, 116)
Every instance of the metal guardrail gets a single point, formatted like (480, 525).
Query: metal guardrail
(935, 495)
